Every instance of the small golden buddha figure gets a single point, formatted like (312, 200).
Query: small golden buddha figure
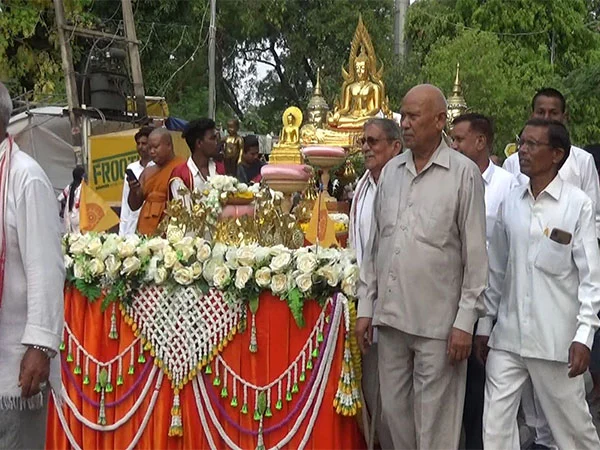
(287, 150)
(289, 132)
(363, 91)
(234, 144)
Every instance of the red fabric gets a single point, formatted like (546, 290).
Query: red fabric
(279, 341)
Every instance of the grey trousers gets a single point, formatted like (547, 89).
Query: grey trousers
(24, 429)
(370, 383)
(422, 395)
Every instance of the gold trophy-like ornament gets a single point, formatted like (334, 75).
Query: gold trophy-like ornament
(457, 104)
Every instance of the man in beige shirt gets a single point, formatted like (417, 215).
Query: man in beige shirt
(426, 265)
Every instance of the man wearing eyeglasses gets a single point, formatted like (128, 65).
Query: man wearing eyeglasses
(426, 267)
(381, 142)
(578, 170)
(473, 136)
(544, 294)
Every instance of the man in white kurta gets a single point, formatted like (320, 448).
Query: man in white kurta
(544, 293)
(579, 170)
(31, 308)
(473, 136)
(128, 218)
(380, 143)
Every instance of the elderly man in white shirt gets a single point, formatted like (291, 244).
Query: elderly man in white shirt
(544, 293)
(129, 218)
(381, 142)
(579, 170)
(31, 292)
(473, 136)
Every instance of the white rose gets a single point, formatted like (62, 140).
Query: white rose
(263, 277)
(110, 245)
(130, 265)
(327, 253)
(331, 273)
(304, 282)
(245, 255)
(79, 269)
(221, 276)
(242, 187)
(349, 286)
(183, 275)
(261, 254)
(94, 247)
(203, 253)
(160, 275)
(113, 264)
(208, 270)
(219, 250)
(170, 257)
(278, 249)
(306, 262)
(157, 244)
(278, 283)
(242, 276)
(96, 267)
(196, 269)
(68, 261)
(199, 242)
(231, 258)
(78, 243)
(143, 250)
(174, 234)
(185, 247)
(280, 262)
(127, 249)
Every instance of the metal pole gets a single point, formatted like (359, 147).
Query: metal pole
(134, 59)
(212, 35)
(70, 83)
(400, 11)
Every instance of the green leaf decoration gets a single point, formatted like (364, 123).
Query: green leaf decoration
(296, 304)
(234, 402)
(103, 377)
(208, 370)
(261, 405)
(279, 405)
(244, 408)
(90, 291)
(253, 304)
(86, 379)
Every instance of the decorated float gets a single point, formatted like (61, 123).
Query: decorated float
(233, 328)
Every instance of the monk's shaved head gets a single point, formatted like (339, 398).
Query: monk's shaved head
(424, 110)
(163, 134)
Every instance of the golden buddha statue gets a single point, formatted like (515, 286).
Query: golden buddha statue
(363, 91)
(233, 147)
(287, 150)
(457, 104)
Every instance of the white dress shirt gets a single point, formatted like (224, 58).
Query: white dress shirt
(129, 218)
(579, 170)
(498, 183)
(32, 308)
(198, 181)
(544, 295)
(361, 214)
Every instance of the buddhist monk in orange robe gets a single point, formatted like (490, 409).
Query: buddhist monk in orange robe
(151, 192)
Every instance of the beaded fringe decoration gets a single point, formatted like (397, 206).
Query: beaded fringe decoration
(253, 347)
(176, 428)
(113, 334)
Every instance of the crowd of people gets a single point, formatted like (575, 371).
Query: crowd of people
(452, 342)
(479, 286)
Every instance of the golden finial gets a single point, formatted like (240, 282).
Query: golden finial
(457, 104)
(317, 91)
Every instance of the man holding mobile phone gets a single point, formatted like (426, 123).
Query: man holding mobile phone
(544, 293)
(129, 218)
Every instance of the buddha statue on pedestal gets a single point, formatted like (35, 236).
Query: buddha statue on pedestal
(363, 91)
(317, 106)
(234, 144)
(287, 150)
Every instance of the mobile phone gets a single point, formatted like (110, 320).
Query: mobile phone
(130, 175)
(560, 236)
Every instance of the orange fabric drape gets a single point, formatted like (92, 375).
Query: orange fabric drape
(279, 341)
